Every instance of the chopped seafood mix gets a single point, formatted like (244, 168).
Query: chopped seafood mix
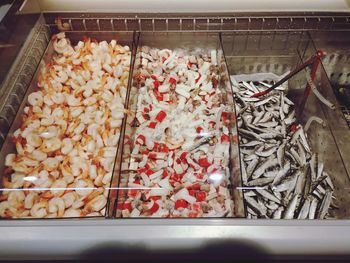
(282, 177)
(182, 142)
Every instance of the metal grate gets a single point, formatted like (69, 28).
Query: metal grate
(80, 22)
(346, 112)
(15, 85)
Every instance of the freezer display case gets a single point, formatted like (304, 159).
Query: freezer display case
(167, 124)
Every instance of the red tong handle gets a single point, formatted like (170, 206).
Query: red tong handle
(319, 55)
(311, 62)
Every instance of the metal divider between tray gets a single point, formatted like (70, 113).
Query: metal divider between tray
(335, 118)
(237, 177)
(113, 195)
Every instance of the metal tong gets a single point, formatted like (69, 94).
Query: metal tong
(312, 62)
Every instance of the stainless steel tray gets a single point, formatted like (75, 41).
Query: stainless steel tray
(123, 38)
(279, 52)
(187, 41)
(336, 76)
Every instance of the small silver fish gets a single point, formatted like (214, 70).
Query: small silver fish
(258, 116)
(266, 153)
(272, 173)
(251, 144)
(302, 153)
(290, 118)
(249, 87)
(278, 213)
(256, 206)
(304, 140)
(280, 154)
(289, 214)
(272, 206)
(244, 172)
(270, 124)
(296, 156)
(249, 193)
(251, 211)
(263, 102)
(300, 184)
(266, 194)
(267, 117)
(325, 205)
(315, 183)
(248, 158)
(281, 173)
(304, 212)
(260, 181)
(287, 184)
(269, 162)
(252, 165)
(250, 133)
(313, 207)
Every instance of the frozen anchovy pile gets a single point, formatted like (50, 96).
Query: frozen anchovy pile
(281, 176)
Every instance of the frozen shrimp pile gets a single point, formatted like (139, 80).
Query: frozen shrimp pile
(66, 145)
(286, 179)
(179, 162)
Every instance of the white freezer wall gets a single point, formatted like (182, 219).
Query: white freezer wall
(183, 6)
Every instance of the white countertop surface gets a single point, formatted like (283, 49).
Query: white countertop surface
(183, 6)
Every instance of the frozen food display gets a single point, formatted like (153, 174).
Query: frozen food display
(67, 142)
(282, 176)
(179, 163)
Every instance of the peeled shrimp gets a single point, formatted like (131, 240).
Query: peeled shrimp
(39, 155)
(57, 205)
(58, 98)
(43, 179)
(59, 187)
(71, 212)
(62, 46)
(97, 203)
(9, 160)
(17, 180)
(21, 168)
(29, 200)
(67, 173)
(67, 146)
(69, 198)
(107, 178)
(34, 139)
(51, 132)
(30, 162)
(39, 210)
(73, 101)
(4, 208)
(51, 163)
(36, 98)
(15, 198)
(81, 185)
(51, 145)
